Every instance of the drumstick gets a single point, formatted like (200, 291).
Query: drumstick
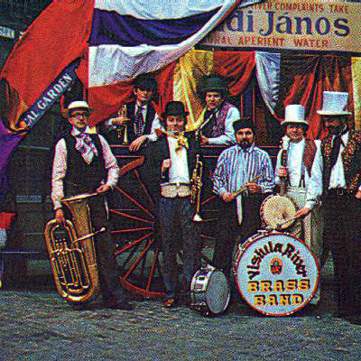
(244, 187)
(286, 221)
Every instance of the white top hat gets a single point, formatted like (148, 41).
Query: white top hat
(334, 103)
(294, 114)
(78, 104)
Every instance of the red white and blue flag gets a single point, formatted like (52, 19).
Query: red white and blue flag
(101, 42)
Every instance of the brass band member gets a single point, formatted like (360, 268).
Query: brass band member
(218, 115)
(84, 163)
(142, 119)
(336, 175)
(172, 161)
(237, 166)
(297, 172)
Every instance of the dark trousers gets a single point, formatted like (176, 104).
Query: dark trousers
(342, 235)
(229, 230)
(107, 267)
(175, 218)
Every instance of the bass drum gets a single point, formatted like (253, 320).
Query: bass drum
(276, 273)
(210, 292)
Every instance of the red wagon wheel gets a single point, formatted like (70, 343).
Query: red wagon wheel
(138, 253)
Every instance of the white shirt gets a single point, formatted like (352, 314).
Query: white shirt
(228, 137)
(337, 178)
(60, 167)
(296, 167)
(178, 172)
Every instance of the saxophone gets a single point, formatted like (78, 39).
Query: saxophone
(196, 189)
(73, 257)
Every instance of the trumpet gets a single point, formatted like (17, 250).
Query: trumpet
(182, 140)
(243, 188)
(122, 129)
(196, 189)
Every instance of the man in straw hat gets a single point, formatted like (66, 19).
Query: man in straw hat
(84, 163)
(336, 174)
(242, 165)
(171, 161)
(218, 115)
(293, 168)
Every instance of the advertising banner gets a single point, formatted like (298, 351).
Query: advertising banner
(293, 25)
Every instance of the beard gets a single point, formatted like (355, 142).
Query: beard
(337, 130)
(245, 144)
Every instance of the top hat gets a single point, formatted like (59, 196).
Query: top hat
(294, 114)
(145, 81)
(78, 104)
(213, 83)
(174, 108)
(334, 103)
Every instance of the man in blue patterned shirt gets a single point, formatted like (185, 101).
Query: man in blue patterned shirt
(247, 166)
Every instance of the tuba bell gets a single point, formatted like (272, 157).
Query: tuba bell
(73, 257)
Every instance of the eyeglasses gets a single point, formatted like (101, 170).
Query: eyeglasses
(79, 115)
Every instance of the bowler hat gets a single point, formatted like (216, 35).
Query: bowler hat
(145, 81)
(174, 108)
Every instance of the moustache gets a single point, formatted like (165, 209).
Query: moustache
(244, 144)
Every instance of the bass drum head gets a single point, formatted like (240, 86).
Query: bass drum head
(276, 209)
(276, 274)
(218, 293)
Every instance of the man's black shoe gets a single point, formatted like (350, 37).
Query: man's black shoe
(355, 320)
(125, 305)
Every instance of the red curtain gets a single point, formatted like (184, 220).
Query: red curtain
(237, 67)
(305, 77)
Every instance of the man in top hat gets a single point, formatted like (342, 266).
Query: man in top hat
(218, 115)
(84, 163)
(336, 175)
(141, 119)
(171, 161)
(293, 169)
(243, 164)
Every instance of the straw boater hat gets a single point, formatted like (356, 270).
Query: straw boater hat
(294, 114)
(78, 104)
(334, 103)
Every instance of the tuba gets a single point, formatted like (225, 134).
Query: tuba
(196, 189)
(73, 257)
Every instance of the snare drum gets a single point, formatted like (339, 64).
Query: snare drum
(210, 292)
(276, 273)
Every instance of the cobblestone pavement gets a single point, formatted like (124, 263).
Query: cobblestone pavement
(38, 325)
